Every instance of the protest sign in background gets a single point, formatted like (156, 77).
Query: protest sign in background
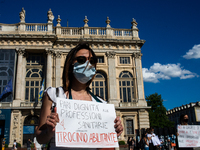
(85, 124)
(189, 136)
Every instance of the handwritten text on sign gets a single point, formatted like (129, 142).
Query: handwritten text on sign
(85, 124)
(189, 136)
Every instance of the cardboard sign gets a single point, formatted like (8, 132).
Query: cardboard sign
(189, 136)
(85, 124)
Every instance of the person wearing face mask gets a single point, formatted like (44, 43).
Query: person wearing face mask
(183, 121)
(150, 135)
(78, 72)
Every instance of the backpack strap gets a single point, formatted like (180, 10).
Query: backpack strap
(70, 93)
(57, 91)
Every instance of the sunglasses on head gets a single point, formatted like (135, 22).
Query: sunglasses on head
(83, 59)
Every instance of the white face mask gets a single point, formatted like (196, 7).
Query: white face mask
(84, 72)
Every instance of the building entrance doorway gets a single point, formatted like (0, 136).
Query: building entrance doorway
(30, 123)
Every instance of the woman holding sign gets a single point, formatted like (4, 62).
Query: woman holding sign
(79, 71)
(183, 121)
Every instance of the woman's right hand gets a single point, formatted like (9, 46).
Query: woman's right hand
(52, 120)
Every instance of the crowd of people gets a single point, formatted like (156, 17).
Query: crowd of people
(29, 144)
(151, 141)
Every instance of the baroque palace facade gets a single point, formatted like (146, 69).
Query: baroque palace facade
(32, 52)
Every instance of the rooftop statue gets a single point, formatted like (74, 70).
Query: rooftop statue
(22, 15)
(50, 16)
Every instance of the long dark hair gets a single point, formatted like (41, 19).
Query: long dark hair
(181, 118)
(67, 75)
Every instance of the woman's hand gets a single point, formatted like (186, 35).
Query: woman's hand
(51, 121)
(118, 126)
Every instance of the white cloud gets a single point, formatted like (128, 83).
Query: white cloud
(193, 53)
(166, 72)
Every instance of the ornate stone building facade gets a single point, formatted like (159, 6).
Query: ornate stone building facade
(34, 52)
(191, 109)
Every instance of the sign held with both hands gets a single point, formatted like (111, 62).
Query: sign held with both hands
(189, 135)
(85, 124)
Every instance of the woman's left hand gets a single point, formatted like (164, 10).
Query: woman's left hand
(118, 126)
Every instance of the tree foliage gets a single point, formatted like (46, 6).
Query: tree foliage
(157, 113)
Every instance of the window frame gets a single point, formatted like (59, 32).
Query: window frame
(129, 89)
(30, 66)
(128, 56)
(104, 86)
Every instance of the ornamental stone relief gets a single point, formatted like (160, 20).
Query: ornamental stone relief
(110, 54)
(137, 55)
(15, 128)
(49, 51)
(58, 54)
(20, 51)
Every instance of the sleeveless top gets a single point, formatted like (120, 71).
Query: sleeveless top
(147, 143)
(53, 94)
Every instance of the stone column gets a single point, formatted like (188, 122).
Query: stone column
(20, 53)
(24, 77)
(58, 68)
(112, 86)
(15, 127)
(49, 53)
(139, 79)
(134, 79)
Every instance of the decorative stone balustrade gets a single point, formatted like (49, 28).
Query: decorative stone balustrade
(30, 28)
(97, 31)
(36, 27)
(5, 104)
(69, 32)
(30, 104)
(22, 104)
(128, 104)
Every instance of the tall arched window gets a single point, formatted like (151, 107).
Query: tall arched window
(126, 86)
(7, 59)
(34, 76)
(99, 85)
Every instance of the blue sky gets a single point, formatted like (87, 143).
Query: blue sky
(171, 28)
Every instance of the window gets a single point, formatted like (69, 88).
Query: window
(129, 127)
(124, 60)
(126, 87)
(100, 59)
(7, 58)
(99, 85)
(34, 76)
